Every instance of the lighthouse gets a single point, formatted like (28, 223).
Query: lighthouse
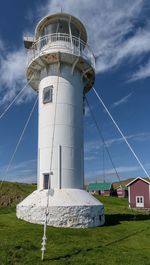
(61, 69)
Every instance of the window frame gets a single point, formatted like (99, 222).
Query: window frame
(50, 98)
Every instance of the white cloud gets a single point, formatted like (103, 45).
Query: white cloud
(1, 45)
(12, 76)
(142, 73)
(135, 45)
(22, 172)
(92, 146)
(110, 174)
(86, 111)
(120, 169)
(121, 101)
(112, 36)
(137, 137)
(13, 67)
(88, 158)
(124, 172)
(110, 25)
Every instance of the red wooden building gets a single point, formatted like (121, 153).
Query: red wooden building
(101, 188)
(139, 193)
(121, 191)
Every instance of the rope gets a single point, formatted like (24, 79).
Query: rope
(16, 97)
(103, 140)
(103, 157)
(18, 143)
(49, 181)
(124, 138)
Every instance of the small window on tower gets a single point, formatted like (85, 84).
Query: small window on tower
(47, 94)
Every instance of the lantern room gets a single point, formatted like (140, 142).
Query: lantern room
(60, 37)
(61, 23)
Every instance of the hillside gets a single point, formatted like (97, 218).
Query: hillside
(12, 193)
(122, 182)
(125, 182)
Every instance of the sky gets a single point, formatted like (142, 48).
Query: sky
(119, 35)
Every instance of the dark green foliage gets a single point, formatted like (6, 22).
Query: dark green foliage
(124, 240)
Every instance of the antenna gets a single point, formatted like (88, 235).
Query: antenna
(59, 6)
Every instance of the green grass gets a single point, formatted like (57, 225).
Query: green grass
(124, 240)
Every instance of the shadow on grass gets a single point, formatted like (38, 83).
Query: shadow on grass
(85, 250)
(65, 256)
(112, 219)
(115, 219)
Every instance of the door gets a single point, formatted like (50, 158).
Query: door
(139, 201)
(46, 181)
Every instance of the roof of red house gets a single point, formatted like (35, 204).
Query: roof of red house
(99, 186)
(146, 181)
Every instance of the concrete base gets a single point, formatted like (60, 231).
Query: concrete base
(67, 208)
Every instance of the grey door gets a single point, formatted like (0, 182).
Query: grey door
(46, 181)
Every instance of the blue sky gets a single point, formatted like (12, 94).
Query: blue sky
(119, 34)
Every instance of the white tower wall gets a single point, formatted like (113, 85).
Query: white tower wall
(60, 59)
(67, 102)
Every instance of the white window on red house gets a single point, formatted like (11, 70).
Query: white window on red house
(139, 201)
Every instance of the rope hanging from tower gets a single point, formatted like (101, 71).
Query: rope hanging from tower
(18, 143)
(102, 138)
(14, 100)
(124, 138)
(44, 238)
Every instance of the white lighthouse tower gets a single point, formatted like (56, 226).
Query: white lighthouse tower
(61, 69)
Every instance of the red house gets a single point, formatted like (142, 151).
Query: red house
(139, 193)
(101, 188)
(121, 192)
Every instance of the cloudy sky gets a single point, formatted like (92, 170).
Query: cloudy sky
(119, 34)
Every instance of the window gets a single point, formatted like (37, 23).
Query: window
(60, 26)
(48, 94)
(139, 201)
(46, 181)
(74, 30)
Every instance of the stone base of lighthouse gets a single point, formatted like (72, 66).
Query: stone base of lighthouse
(67, 208)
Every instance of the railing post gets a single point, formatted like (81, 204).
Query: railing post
(80, 44)
(75, 44)
(70, 34)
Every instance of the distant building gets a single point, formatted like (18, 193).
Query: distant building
(121, 191)
(139, 193)
(101, 188)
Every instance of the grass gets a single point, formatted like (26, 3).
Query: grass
(124, 240)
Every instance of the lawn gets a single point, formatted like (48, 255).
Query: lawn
(124, 240)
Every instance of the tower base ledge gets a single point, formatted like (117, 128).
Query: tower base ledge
(67, 208)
